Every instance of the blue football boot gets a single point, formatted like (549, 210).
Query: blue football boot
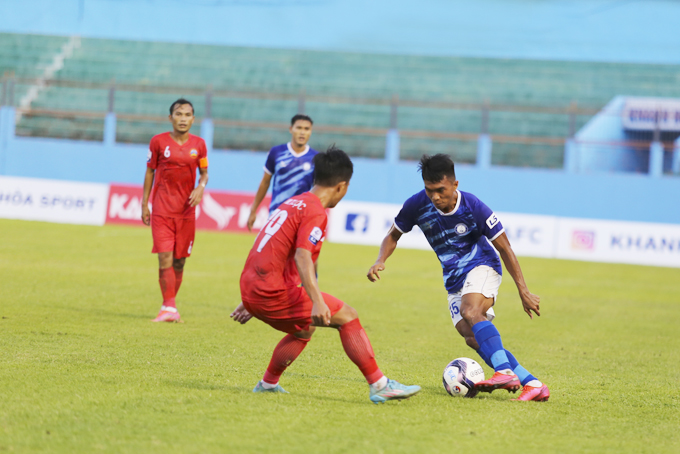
(261, 389)
(393, 391)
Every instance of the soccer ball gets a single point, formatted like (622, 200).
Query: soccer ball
(460, 377)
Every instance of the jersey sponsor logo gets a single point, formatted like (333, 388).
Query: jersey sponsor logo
(462, 229)
(166, 153)
(492, 221)
(315, 236)
(299, 204)
(193, 153)
(149, 154)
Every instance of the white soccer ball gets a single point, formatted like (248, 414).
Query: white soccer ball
(460, 377)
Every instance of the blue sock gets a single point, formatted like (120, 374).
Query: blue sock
(484, 358)
(523, 374)
(490, 343)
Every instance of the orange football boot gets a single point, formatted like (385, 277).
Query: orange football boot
(499, 381)
(168, 316)
(538, 393)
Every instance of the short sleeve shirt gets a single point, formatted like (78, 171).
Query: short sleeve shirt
(293, 173)
(175, 177)
(299, 222)
(461, 238)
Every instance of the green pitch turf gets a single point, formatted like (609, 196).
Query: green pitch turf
(82, 368)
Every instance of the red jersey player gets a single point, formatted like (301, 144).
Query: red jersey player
(171, 171)
(282, 257)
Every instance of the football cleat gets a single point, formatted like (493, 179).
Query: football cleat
(261, 389)
(168, 316)
(499, 381)
(538, 393)
(393, 391)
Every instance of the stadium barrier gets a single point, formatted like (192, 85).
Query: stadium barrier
(219, 210)
(639, 243)
(69, 202)
(363, 223)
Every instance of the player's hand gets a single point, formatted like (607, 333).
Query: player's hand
(321, 315)
(373, 272)
(531, 303)
(196, 195)
(146, 214)
(240, 314)
(251, 220)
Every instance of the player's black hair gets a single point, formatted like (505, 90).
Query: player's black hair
(300, 117)
(332, 167)
(435, 168)
(180, 102)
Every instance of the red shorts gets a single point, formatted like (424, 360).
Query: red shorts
(292, 314)
(174, 235)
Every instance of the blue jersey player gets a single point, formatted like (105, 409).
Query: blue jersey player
(461, 229)
(291, 165)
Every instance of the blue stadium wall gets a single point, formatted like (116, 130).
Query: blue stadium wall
(616, 196)
(589, 30)
(641, 31)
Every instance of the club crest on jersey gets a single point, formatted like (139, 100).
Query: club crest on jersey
(193, 153)
(315, 236)
(306, 166)
(461, 229)
(166, 153)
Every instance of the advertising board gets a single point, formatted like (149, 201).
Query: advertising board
(219, 210)
(67, 202)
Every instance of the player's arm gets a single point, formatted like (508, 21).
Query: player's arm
(321, 315)
(387, 247)
(259, 196)
(529, 300)
(148, 184)
(197, 194)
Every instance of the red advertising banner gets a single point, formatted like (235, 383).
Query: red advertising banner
(219, 210)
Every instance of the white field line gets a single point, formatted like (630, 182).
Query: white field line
(56, 65)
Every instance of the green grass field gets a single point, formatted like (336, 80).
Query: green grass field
(82, 368)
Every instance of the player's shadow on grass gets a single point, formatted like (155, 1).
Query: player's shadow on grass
(201, 385)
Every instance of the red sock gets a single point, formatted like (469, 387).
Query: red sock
(359, 350)
(285, 353)
(178, 279)
(166, 277)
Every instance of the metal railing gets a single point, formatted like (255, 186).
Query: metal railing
(486, 144)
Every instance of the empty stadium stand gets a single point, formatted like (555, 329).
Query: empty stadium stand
(347, 91)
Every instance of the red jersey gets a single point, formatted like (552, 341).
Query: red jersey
(175, 177)
(299, 222)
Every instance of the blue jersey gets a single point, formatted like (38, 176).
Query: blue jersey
(293, 172)
(459, 238)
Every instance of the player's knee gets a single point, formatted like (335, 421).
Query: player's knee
(351, 313)
(305, 334)
(467, 312)
(178, 264)
(472, 342)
